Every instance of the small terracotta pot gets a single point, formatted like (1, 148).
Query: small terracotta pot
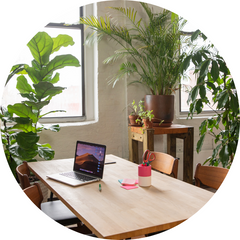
(132, 120)
(147, 123)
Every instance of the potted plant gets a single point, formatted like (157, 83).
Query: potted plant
(134, 114)
(214, 77)
(145, 116)
(151, 50)
(21, 126)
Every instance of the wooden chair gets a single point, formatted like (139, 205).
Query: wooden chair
(209, 176)
(23, 174)
(165, 163)
(54, 209)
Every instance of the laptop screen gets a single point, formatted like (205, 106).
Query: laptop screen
(89, 158)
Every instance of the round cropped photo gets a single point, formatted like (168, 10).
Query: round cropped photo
(119, 120)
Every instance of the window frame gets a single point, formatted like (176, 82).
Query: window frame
(82, 63)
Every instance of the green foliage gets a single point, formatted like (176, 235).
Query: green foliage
(21, 120)
(144, 114)
(151, 49)
(214, 77)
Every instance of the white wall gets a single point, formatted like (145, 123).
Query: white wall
(111, 127)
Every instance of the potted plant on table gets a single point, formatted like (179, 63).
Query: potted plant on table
(134, 114)
(151, 50)
(145, 116)
(21, 124)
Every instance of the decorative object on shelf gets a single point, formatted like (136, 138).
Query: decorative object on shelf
(145, 169)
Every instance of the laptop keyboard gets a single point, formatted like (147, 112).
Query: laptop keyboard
(77, 176)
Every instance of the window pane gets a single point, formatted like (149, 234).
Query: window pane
(70, 99)
(191, 79)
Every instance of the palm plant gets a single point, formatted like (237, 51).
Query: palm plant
(151, 49)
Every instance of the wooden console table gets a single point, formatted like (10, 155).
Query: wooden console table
(136, 134)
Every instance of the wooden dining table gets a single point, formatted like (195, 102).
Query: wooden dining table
(117, 213)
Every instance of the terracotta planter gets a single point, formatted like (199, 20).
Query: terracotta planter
(147, 123)
(132, 120)
(163, 108)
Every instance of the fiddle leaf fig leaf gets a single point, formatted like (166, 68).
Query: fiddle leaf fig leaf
(23, 86)
(59, 62)
(34, 74)
(46, 89)
(27, 140)
(24, 127)
(21, 110)
(55, 79)
(62, 40)
(18, 152)
(41, 47)
(46, 152)
(37, 105)
(54, 128)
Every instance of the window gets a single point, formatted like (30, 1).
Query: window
(191, 79)
(72, 99)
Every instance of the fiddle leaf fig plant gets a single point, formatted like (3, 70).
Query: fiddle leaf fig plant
(36, 85)
(214, 77)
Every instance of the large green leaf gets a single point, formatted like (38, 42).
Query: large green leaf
(214, 70)
(224, 155)
(61, 40)
(234, 103)
(59, 62)
(202, 91)
(27, 140)
(37, 105)
(20, 153)
(21, 110)
(34, 74)
(46, 89)
(46, 152)
(194, 93)
(200, 143)
(27, 127)
(41, 47)
(222, 99)
(16, 69)
(23, 86)
(54, 128)
(195, 35)
(204, 67)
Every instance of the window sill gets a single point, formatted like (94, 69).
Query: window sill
(72, 124)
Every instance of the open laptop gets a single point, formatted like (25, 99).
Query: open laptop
(88, 165)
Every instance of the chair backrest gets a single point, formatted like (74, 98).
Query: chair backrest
(165, 163)
(210, 176)
(23, 173)
(34, 192)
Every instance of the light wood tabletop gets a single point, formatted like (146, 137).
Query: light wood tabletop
(117, 213)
